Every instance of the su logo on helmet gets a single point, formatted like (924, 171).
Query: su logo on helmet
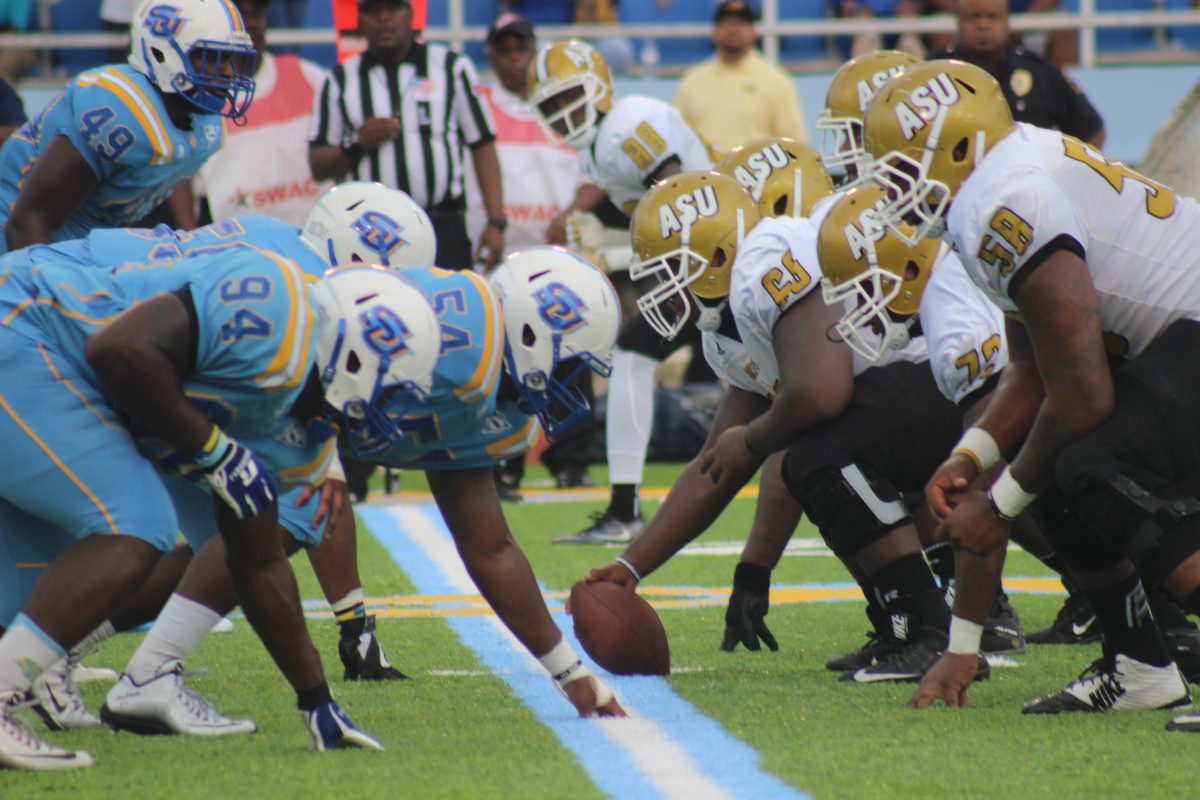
(687, 209)
(164, 21)
(923, 104)
(560, 307)
(379, 232)
(384, 331)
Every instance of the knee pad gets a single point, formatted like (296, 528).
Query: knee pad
(1168, 533)
(1082, 547)
(852, 507)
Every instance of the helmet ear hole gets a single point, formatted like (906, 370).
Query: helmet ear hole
(528, 337)
(158, 55)
(911, 271)
(960, 150)
(353, 364)
(780, 206)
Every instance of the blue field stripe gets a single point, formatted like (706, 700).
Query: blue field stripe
(726, 761)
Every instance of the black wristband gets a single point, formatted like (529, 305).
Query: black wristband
(752, 577)
(309, 699)
(353, 151)
(996, 509)
(499, 223)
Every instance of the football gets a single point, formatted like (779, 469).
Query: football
(619, 630)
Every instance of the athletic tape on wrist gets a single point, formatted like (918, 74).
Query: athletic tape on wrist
(213, 449)
(964, 636)
(979, 446)
(624, 562)
(563, 664)
(1007, 496)
(336, 471)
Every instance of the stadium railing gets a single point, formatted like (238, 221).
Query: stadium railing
(1173, 27)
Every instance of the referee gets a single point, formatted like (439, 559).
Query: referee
(400, 114)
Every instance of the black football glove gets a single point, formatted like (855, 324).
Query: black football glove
(748, 604)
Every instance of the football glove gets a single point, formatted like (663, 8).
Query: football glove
(330, 728)
(236, 475)
(748, 605)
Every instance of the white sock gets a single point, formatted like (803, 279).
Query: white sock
(25, 652)
(630, 415)
(178, 631)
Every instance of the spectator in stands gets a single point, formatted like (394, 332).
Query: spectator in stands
(1037, 92)
(540, 179)
(864, 43)
(737, 95)
(12, 111)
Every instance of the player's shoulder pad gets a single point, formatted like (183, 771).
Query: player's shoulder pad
(120, 116)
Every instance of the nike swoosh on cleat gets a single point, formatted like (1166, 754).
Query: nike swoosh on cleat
(1080, 630)
(58, 707)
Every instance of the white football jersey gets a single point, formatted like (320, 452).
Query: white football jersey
(963, 330)
(776, 266)
(633, 141)
(1140, 240)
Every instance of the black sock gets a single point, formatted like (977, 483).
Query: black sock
(309, 699)
(1129, 628)
(906, 584)
(624, 504)
(1167, 612)
(941, 561)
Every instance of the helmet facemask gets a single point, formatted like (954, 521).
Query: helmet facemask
(868, 325)
(223, 82)
(567, 109)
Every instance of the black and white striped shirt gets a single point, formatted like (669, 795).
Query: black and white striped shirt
(432, 93)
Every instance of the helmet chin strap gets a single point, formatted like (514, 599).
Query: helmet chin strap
(898, 333)
(709, 319)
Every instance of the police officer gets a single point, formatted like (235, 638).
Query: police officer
(1037, 92)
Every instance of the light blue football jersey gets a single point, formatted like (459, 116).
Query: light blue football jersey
(116, 119)
(256, 337)
(461, 425)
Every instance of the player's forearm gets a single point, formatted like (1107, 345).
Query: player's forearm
(1012, 406)
(976, 579)
(27, 229)
(507, 582)
(266, 588)
(692, 505)
(792, 414)
(328, 161)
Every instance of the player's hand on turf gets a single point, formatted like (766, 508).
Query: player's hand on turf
(974, 527)
(590, 695)
(948, 485)
(333, 501)
(729, 457)
(330, 727)
(237, 476)
(947, 680)
(748, 605)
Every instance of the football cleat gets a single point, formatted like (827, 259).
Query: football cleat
(1002, 633)
(331, 728)
(1123, 684)
(1183, 645)
(891, 633)
(363, 656)
(1075, 623)
(1189, 723)
(165, 704)
(56, 699)
(606, 529)
(20, 748)
(573, 476)
(908, 663)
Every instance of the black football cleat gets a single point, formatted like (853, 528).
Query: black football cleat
(363, 656)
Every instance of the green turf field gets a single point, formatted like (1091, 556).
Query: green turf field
(456, 731)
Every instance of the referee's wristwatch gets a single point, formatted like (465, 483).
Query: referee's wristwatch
(499, 223)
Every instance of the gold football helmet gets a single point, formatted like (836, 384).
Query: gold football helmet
(850, 91)
(926, 131)
(876, 276)
(785, 177)
(570, 85)
(686, 231)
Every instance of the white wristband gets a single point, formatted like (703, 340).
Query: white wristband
(563, 663)
(624, 562)
(964, 636)
(335, 472)
(1008, 497)
(979, 446)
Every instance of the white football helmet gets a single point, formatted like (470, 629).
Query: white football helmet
(198, 49)
(367, 222)
(561, 314)
(378, 342)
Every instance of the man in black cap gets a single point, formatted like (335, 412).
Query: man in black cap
(400, 114)
(738, 95)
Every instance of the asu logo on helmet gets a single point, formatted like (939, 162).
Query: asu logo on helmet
(785, 177)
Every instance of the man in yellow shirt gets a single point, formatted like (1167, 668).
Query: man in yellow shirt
(738, 95)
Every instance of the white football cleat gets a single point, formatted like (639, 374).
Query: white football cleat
(20, 748)
(1124, 684)
(223, 625)
(56, 699)
(165, 704)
